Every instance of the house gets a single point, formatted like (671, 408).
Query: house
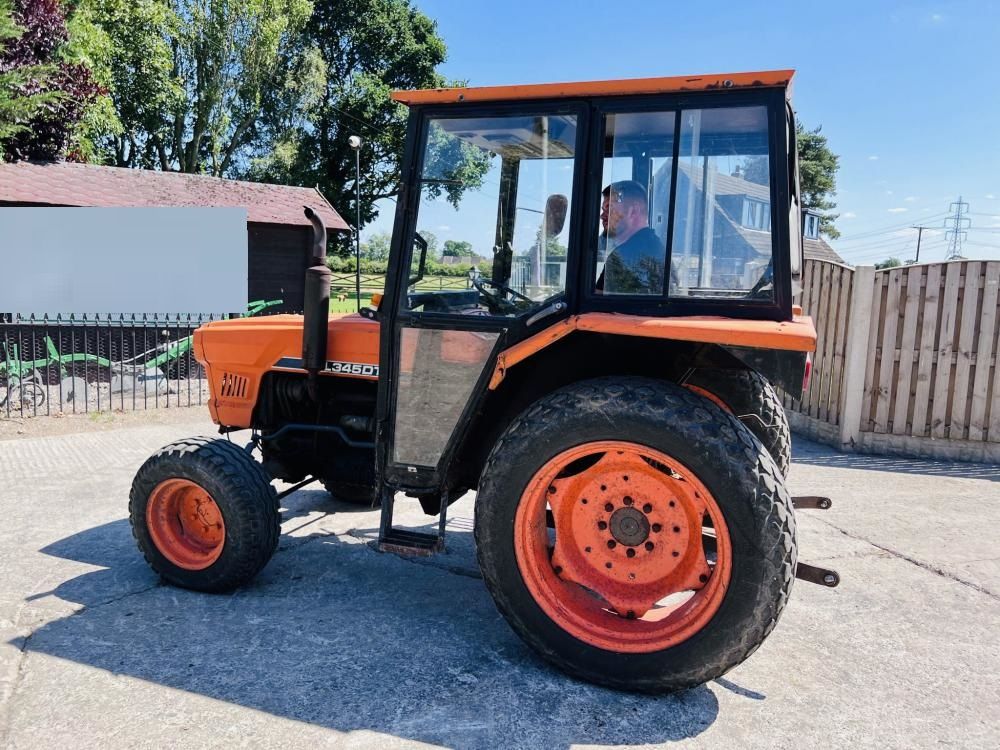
(278, 233)
(739, 225)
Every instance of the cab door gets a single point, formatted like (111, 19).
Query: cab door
(483, 249)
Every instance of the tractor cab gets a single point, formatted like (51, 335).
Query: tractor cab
(651, 199)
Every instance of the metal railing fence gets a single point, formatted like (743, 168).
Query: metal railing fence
(95, 363)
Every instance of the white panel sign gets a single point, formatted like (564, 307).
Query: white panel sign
(123, 260)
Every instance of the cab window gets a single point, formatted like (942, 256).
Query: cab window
(492, 230)
(686, 219)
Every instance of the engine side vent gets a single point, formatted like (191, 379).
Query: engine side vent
(233, 386)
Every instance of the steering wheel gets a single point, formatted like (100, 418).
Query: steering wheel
(495, 300)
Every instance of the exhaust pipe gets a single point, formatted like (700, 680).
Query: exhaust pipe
(316, 309)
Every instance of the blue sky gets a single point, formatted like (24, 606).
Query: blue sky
(908, 93)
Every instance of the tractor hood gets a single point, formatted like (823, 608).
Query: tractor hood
(237, 353)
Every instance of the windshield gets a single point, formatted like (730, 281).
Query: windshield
(495, 195)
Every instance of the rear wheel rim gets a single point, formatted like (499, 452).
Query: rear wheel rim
(630, 563)
(185, 524)
(710, 396)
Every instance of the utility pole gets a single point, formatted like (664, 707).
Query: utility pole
(920, 233)
(956, 224)
(355, 142)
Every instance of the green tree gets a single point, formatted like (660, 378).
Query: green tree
(17, 108)
(818, 167)
(145, 91)
(433, 251)
(369, 48)
(377, 247)
(457, 248)
(198, 84)
(47, 86)
(889, 263)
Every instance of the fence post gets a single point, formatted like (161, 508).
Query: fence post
(856, 356)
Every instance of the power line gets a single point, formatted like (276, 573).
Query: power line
(886, 229)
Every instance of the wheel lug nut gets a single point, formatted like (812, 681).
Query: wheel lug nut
(673, 504)
(647, 508)
(602, 525)
(657, 528)
(627, 500)
(630, 552)
(649, 546)
(604, 487)
(612, 544)
(608, 507)
(584, 501)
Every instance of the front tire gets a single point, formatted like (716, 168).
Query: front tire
(632, 588)
(204, 514)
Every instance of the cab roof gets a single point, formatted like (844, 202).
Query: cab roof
(675, 84)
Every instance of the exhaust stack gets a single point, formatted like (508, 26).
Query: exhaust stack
(316, 309)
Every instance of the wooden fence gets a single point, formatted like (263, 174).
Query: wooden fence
(905, 360)
(375, 282)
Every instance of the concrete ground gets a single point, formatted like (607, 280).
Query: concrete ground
(335, 645)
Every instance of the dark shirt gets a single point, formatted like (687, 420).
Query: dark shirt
(635, 266)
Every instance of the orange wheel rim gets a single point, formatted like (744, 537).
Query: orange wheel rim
(631, 563)
(710, 396)
(185, 524)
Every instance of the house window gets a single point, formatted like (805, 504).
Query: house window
(757, 215)
(812, 227)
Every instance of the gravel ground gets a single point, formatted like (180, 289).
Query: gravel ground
(335, 645)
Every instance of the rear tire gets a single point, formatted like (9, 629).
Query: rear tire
(753, 401)
(748, 500)
(204, 514)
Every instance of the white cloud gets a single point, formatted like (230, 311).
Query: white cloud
(990, 197)
(936, 18)
(910, 198)
(443, 228)
(888, 192)
(848, 215)
(898, 210)
(872, 158)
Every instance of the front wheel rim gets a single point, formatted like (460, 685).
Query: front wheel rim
(185, 524)
(638, 558)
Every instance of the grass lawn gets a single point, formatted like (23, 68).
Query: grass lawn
(349, 303)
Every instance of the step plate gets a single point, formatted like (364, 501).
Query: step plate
(410, 543)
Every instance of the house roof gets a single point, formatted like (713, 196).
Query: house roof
(67, 184)
(820, 250)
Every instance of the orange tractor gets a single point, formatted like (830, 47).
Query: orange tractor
(605, 381)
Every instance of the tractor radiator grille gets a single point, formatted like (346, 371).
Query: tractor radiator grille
(233, 386)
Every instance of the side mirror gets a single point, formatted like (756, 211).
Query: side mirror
(555, 214)
(416, 274)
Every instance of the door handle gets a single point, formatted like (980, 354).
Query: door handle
(545, 312)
